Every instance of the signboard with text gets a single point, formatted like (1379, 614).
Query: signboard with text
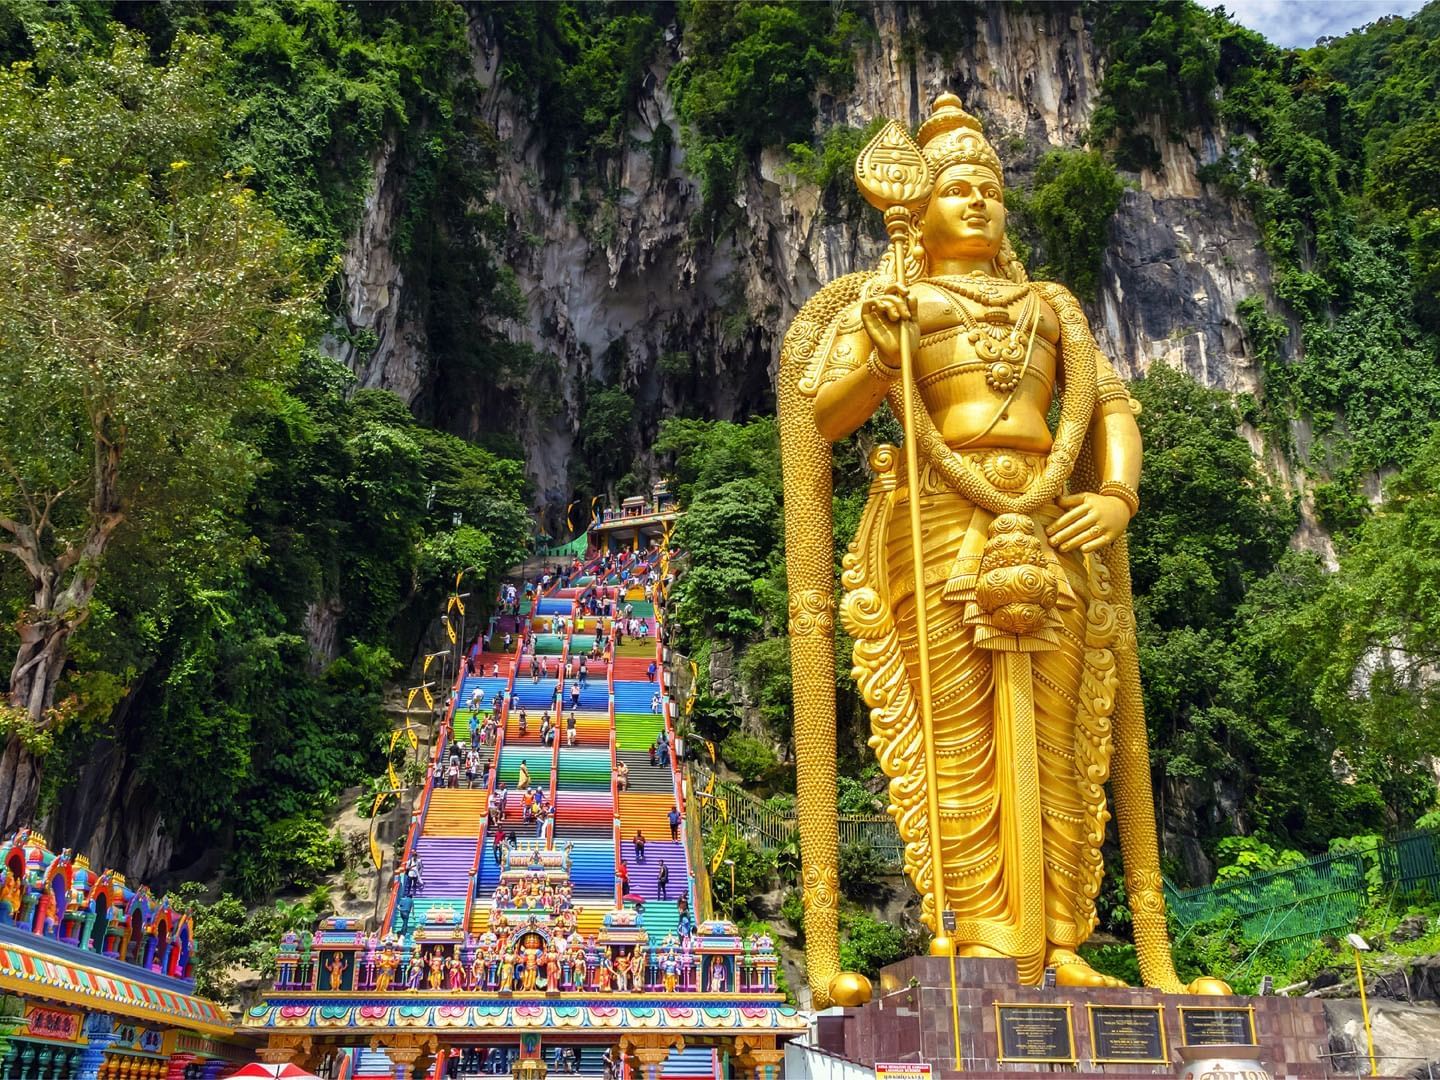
(902, 1070)
(43, 1022)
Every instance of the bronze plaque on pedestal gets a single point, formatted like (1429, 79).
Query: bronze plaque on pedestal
(1217, 1025)
(1034, 1033)
(1127, 1033)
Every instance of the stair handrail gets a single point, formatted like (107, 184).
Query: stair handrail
(417, 818)
(677, 777)
(492, 776)
(614, 755)
(559, 721)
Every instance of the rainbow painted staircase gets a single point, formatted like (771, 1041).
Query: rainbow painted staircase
(619, 712)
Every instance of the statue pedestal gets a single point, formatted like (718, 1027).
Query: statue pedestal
(1007, 1028)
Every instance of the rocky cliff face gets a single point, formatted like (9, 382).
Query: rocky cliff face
(614, 288)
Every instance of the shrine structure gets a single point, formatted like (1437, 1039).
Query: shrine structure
(97, 976)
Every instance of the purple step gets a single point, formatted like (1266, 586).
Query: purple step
(445, 863)
(643, 875)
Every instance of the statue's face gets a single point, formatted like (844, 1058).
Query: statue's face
(965, 218)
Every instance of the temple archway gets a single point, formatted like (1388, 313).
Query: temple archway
(102, 922)
(132, 949)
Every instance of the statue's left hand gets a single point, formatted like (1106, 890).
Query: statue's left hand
(1090, 522)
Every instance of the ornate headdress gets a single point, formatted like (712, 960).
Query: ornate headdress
(951, 136)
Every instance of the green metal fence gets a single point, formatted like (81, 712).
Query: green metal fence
(1285, 911)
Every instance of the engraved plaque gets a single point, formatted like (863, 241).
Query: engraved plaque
(1122, 1033)
(1035, 1032)
(1217, 1025)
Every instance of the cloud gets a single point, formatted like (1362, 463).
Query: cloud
(1297, 23)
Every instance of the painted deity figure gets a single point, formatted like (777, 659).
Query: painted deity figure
(416, 974)
(506, 981)
(1001, 670)
(437, 970)
(719, 979)
(621, 966)
(532, 969)
(387, 963)
(552, 969)
(670, 967)
(335, 969)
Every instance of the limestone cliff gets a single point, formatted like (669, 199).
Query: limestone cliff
(611, 290)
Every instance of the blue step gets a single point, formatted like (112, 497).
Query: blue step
(692, 1063)
(554, 605)
(594, 696)
(488, 688)
(535, 696)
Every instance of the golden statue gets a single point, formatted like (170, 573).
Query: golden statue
(1004, 699)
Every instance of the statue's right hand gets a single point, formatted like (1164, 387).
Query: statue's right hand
(887, 315)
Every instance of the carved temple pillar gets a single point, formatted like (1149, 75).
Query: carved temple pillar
(286, 1050)
(404, 1059)
(93, 1056)
(757, 1058)
(651, 1060)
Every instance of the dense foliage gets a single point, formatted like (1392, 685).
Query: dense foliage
(749, 79)
(275, 510)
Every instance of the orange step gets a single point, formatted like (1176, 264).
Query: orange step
(648, 811)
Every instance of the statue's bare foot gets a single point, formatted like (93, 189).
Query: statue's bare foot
(1208, 985)
(1071, 970)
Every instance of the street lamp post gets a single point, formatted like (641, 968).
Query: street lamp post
(947, 922)
(1359, 945)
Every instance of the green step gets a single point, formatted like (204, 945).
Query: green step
(549, 644)
(539, 761)
(637, 731)
(584, 768)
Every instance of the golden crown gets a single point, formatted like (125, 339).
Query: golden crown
(951, 136)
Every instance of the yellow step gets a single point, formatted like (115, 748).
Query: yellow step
(455, 812)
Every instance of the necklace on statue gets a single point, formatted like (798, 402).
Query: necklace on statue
(995, 335)
(983, 289)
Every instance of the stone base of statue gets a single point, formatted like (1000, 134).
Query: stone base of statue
(1007, 1028)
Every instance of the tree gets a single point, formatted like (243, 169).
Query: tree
(148, 297)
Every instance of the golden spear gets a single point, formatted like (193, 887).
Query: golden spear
(893, 176)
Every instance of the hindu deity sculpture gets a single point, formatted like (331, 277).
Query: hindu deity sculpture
(531, 971)
(387, 962)
(987, 587)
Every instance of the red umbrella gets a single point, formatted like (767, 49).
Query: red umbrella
(260, 1071)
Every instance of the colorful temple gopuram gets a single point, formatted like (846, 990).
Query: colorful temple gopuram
(97, 977)
(548, 915)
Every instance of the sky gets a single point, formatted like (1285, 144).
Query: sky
(1297, 23)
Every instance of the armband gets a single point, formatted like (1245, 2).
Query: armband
(879, 368)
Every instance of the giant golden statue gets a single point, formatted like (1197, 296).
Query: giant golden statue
(987, 588)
